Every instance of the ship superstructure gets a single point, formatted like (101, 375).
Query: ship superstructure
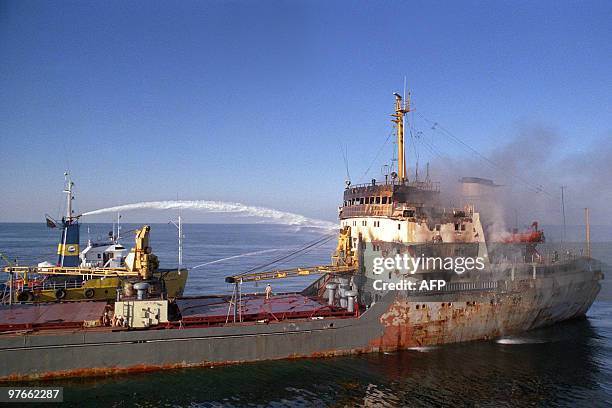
(404, 211)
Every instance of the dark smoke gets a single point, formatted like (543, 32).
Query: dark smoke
(532, 167)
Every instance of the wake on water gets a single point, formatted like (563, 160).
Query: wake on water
(519, 340)
(278, 217)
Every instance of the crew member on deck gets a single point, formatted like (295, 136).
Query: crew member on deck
(268, 291)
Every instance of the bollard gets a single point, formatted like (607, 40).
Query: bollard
(351, 294)
(331, 288)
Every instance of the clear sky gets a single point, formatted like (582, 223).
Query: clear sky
(252, 101)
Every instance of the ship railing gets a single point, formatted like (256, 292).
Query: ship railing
(544, 258)
(289, 273)
(421, 185)
(372, 210)
(69, 271)
(459, 287)
(58, 285)
(317, 288)
(34, 286)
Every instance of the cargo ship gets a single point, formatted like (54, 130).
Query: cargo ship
(407, 272)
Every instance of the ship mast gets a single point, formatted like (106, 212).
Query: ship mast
(400, 111)
(69, 198)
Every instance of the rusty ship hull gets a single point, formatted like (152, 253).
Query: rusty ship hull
(465, 311)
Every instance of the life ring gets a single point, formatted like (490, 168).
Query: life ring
(25, 296)
(60, 293)
(89, 293)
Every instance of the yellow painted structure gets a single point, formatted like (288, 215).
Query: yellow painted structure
(400, 111)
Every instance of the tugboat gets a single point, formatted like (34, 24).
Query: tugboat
(96, 273)
(407, 272)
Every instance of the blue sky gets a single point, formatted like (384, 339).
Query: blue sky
(252, 101)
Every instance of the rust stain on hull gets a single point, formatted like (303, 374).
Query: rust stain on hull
(414, 324)
(417, 324)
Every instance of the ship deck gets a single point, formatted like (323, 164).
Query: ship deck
(50, 315)
(220, 309)
(195, 312)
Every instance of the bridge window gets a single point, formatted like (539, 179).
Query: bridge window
(364, 223)
(456, 227)
(361, 201)
(377, 200)
(399, 226)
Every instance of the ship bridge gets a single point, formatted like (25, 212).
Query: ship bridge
(389, 199)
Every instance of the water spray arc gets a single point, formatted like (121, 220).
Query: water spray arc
(278, 217)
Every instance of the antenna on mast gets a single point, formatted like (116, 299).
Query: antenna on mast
(69, 197)
(344, 150)
(118, 234)
(179, 226)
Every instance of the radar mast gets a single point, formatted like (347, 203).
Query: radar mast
(400, 112)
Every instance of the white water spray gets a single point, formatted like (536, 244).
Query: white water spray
(278, 217)
(265, 251)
